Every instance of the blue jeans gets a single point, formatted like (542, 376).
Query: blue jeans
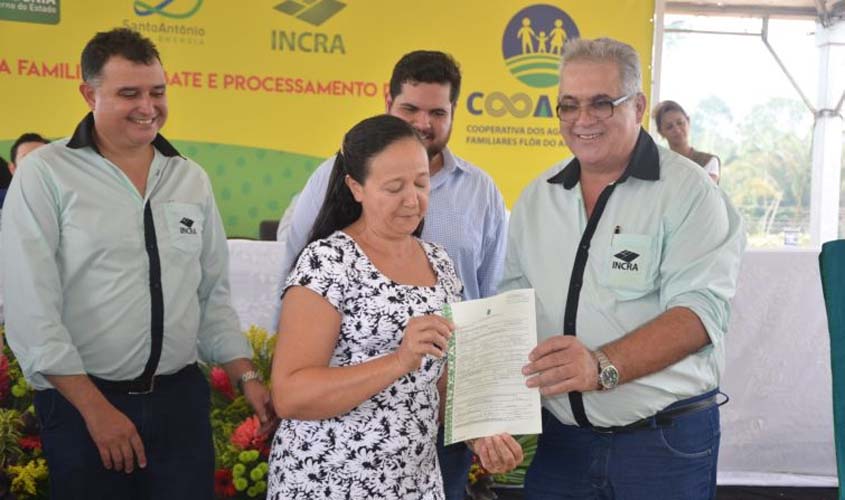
(173, 422)
(455, 461)
(676, 462)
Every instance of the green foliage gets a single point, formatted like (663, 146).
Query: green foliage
(224, 419)
(21, 460)
(766, 163)
(240, 453)
(517, 476)
(712, 129)
(10, 434)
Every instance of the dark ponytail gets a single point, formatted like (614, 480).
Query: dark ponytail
(364, 141)
(339, 207)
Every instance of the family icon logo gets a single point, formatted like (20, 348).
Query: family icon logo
(314, 12)
(533, 42)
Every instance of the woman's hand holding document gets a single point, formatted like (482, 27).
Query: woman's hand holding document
(486, 392)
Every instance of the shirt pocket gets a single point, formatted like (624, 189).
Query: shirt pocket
(631, 266)
(185, 224)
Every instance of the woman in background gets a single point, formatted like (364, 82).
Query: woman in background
(360, 354)
(673, 124)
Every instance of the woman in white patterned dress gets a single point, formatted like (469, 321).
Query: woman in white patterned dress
(360, 353)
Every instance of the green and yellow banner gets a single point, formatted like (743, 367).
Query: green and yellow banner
(261, 91)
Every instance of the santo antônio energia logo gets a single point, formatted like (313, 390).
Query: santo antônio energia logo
(167, 21)
(533, 41)
(166, 8)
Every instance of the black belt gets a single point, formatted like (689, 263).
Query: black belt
(663, 418)
(141, 386)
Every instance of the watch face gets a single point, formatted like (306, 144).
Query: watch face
(609, 377)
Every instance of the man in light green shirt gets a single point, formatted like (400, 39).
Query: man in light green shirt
(634, 255)
(116, 273)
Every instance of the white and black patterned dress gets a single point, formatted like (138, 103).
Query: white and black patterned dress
(385, 447)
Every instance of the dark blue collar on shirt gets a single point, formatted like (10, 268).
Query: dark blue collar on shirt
(84, 136)
(645, 165)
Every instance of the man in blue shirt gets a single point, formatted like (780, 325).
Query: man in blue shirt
(116, 252)
(634, 261)
(466, 211)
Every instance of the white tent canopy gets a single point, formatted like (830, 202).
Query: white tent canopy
(829, 16)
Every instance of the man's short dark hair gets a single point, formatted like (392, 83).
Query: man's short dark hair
(27, 137)
(122, 42)
(426, 66)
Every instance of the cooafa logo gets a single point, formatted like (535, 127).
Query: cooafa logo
(497, 104)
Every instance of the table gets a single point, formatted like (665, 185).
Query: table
(778, 427)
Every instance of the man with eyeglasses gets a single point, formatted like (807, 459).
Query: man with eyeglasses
(633, 254)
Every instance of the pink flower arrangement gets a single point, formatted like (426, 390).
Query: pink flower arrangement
(220, 382)
(5, 381)
(224, 487)
(247, 437)
(31, 443)
(240, 452)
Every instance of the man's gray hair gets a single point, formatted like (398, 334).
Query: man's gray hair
(607, 50)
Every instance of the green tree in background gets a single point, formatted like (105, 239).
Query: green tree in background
(713, 129)
(766, 163)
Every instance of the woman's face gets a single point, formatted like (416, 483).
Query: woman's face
(675, 128)
(394, 197)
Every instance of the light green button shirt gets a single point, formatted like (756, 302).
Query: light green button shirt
(77, 271)
(667, 238)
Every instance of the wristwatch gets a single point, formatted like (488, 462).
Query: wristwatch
(246, 377)
(608, 374)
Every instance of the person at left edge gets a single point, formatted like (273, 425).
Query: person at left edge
(116, 254)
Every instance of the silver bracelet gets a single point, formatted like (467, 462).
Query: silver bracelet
(246, 377)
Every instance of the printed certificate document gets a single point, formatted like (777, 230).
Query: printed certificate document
(486, 391)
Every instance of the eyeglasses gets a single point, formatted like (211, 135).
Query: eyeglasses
(600, 109)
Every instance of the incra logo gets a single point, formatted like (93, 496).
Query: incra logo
(187, 226)
(311, 11)
(627, 257)
(315, 13)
